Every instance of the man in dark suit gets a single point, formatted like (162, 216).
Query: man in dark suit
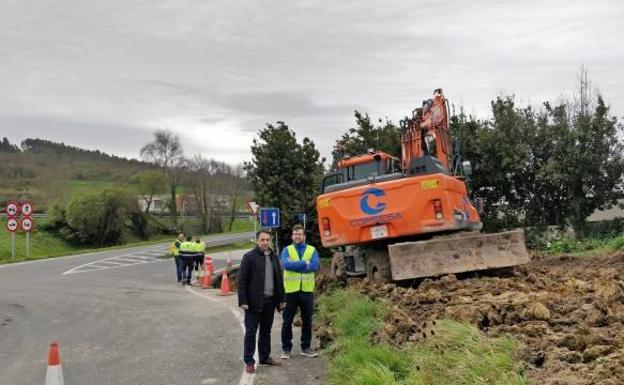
(260, 293)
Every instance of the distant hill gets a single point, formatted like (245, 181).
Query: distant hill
(39, 156)
(48, 172)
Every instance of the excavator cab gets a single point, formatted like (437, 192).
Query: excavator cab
(353, 171)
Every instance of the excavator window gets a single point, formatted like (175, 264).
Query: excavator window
(331, 179)
(364, 170)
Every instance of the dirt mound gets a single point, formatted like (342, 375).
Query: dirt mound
(568, 312)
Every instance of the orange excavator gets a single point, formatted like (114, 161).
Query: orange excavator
(394, 219)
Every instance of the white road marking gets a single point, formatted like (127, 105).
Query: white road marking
(132, 260)
(246, 378)
(113, 262)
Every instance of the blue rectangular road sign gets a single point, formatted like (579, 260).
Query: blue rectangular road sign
(269, 217)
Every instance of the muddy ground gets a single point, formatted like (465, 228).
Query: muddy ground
(567, 311)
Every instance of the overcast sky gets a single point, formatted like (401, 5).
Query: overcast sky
(105, 74)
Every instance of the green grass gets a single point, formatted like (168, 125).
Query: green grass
(45, 245)
(83, 187)
(42, 245)
(240, 225)
(457, 354)
(586, 247)
(460, 354)
(234, 246)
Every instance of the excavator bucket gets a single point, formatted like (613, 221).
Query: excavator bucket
(457, 253)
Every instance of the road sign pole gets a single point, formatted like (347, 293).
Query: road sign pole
(28, 244)
(12, 245)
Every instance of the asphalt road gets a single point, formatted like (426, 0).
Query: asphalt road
(119, 317)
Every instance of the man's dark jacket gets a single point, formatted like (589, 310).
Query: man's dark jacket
(251, 280)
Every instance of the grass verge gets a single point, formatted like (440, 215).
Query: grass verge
(45, 245)
(457, 354)
(586, 247)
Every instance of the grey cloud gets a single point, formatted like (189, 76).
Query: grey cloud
(211, 69)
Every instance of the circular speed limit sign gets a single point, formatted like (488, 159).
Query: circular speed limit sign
(12, 208)
(11, 224)
(27, 208)
(27, 224)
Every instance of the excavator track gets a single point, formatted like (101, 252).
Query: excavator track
(457, 253)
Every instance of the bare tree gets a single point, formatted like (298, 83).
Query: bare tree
(150, 183)
(586, 95)
(236, 187)
(166, 152)
(197, 167)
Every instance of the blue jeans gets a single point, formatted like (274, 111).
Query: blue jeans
(305, 302)
(263, 319)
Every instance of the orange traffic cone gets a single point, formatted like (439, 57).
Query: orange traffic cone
(225, 284)
(206, 281)
(54, 373)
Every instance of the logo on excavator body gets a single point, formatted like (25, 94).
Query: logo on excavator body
(364, 205)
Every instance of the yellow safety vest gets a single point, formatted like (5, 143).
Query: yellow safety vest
(294, 281)
(187, 248)
(176, 250)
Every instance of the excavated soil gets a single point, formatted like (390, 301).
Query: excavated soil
(568, 312)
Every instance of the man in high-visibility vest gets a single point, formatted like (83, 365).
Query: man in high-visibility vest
(187, 257)
(176, 256)
(300, 262)
(199, 256)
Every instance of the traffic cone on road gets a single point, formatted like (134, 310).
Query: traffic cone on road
(54, 373)
(206, 279)
(225, 284)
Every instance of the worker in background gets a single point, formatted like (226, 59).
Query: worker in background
(300, 262)
(260, 293)
(176, 256)
(199, 256)
(187, 258)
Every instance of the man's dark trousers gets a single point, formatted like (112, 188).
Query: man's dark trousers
(263, 319)
(187, 267)
(305, 302)
(178, 265)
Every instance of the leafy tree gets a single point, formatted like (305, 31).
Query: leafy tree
(285, 174)
(596, 165)
(6, 146)
(551, 167)
(99, 218)
(166, 152)
(385, 136)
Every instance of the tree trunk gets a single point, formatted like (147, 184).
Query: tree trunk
(209, 219)
(233, 212)
(204, 207)
(174, 204)
(149, 203)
